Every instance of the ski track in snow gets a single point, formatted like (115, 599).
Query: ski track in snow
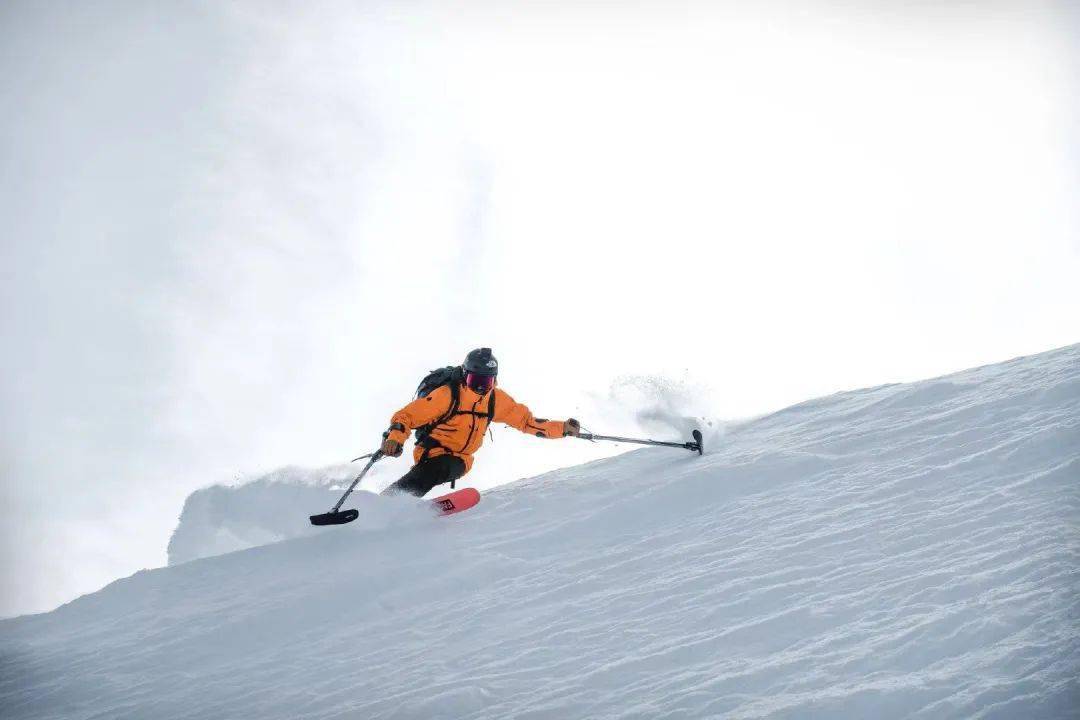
(903, 551)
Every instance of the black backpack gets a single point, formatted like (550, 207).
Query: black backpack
(453, 376)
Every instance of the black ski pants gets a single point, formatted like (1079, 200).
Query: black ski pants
(428, 473)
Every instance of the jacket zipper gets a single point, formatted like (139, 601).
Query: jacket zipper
(472, 427)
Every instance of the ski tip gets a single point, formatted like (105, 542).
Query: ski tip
(335, 518)
(698, 440)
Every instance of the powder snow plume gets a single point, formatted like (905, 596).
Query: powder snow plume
(272, 507)
(669, 408)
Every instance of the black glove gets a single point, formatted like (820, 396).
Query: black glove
(571, 427)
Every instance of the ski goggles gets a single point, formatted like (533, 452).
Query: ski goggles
(479, 383)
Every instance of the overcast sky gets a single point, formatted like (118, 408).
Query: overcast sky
(236, 234)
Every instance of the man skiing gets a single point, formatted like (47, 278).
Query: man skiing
(451, 421)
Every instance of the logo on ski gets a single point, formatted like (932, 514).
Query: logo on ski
(456, 501)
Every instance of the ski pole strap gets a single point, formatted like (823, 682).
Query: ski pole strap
(692, 445)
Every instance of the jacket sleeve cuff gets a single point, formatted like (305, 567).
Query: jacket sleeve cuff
(553, 429)
(397, 432)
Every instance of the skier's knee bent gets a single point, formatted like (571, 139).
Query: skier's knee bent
(426, 474)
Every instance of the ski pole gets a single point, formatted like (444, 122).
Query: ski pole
(340, 518)
(695, 444)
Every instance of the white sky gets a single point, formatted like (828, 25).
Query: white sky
(236, 235)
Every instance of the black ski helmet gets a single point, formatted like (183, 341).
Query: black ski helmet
(481, 362)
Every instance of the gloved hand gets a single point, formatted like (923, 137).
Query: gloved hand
(391, 448)
(571, 427)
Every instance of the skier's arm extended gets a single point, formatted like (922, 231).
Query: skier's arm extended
(514, 414)
(420, 411)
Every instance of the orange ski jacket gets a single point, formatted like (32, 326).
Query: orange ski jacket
(462, 434)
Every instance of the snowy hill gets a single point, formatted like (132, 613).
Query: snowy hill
(903, 551)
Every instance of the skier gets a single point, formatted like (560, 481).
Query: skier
(448, 433)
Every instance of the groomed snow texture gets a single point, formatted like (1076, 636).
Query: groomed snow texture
(903, 551)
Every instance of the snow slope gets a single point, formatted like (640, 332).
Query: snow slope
(903, 551)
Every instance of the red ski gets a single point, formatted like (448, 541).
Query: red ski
(456, 501)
